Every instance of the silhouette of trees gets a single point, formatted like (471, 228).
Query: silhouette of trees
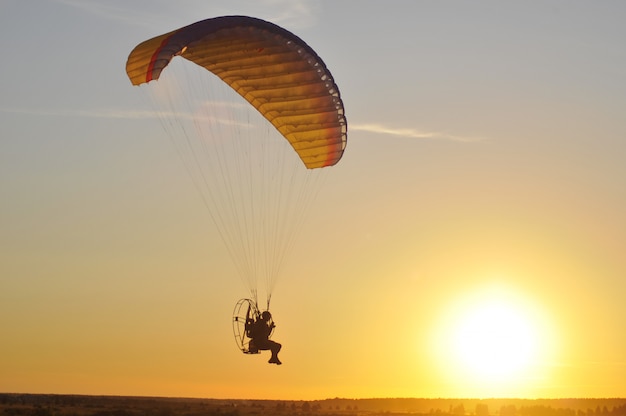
(458, 410)
(75, 405)
(481, 409)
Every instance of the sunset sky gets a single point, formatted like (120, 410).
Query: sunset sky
(470, 243)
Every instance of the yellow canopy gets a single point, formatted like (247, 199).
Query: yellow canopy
(273, 69)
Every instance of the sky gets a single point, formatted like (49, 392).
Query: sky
(470, 243)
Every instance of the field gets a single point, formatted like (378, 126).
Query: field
(15, 404)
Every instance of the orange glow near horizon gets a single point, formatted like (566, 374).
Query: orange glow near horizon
(469, 244)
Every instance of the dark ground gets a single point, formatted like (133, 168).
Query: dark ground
(79, 405)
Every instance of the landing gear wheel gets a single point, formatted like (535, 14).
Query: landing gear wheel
(245, 311)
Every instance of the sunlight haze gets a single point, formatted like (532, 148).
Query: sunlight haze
(470, 242)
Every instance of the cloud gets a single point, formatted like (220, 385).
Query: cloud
(137, 114)
(107, 10)
(124, 114)
(151, 114)
(295, 14)
(410, 133)
(157, 14)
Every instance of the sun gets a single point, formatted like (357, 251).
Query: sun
(492, 341)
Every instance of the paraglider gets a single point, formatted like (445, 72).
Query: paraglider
(257, 193)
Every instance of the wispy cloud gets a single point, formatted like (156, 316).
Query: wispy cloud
(151, 114)
(106, 10)
(202, 116)
(124, 114)
(410, 133)
(295, 14)
(123, 12)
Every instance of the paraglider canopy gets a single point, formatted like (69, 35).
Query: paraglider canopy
(273, 69)
(256, 180)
